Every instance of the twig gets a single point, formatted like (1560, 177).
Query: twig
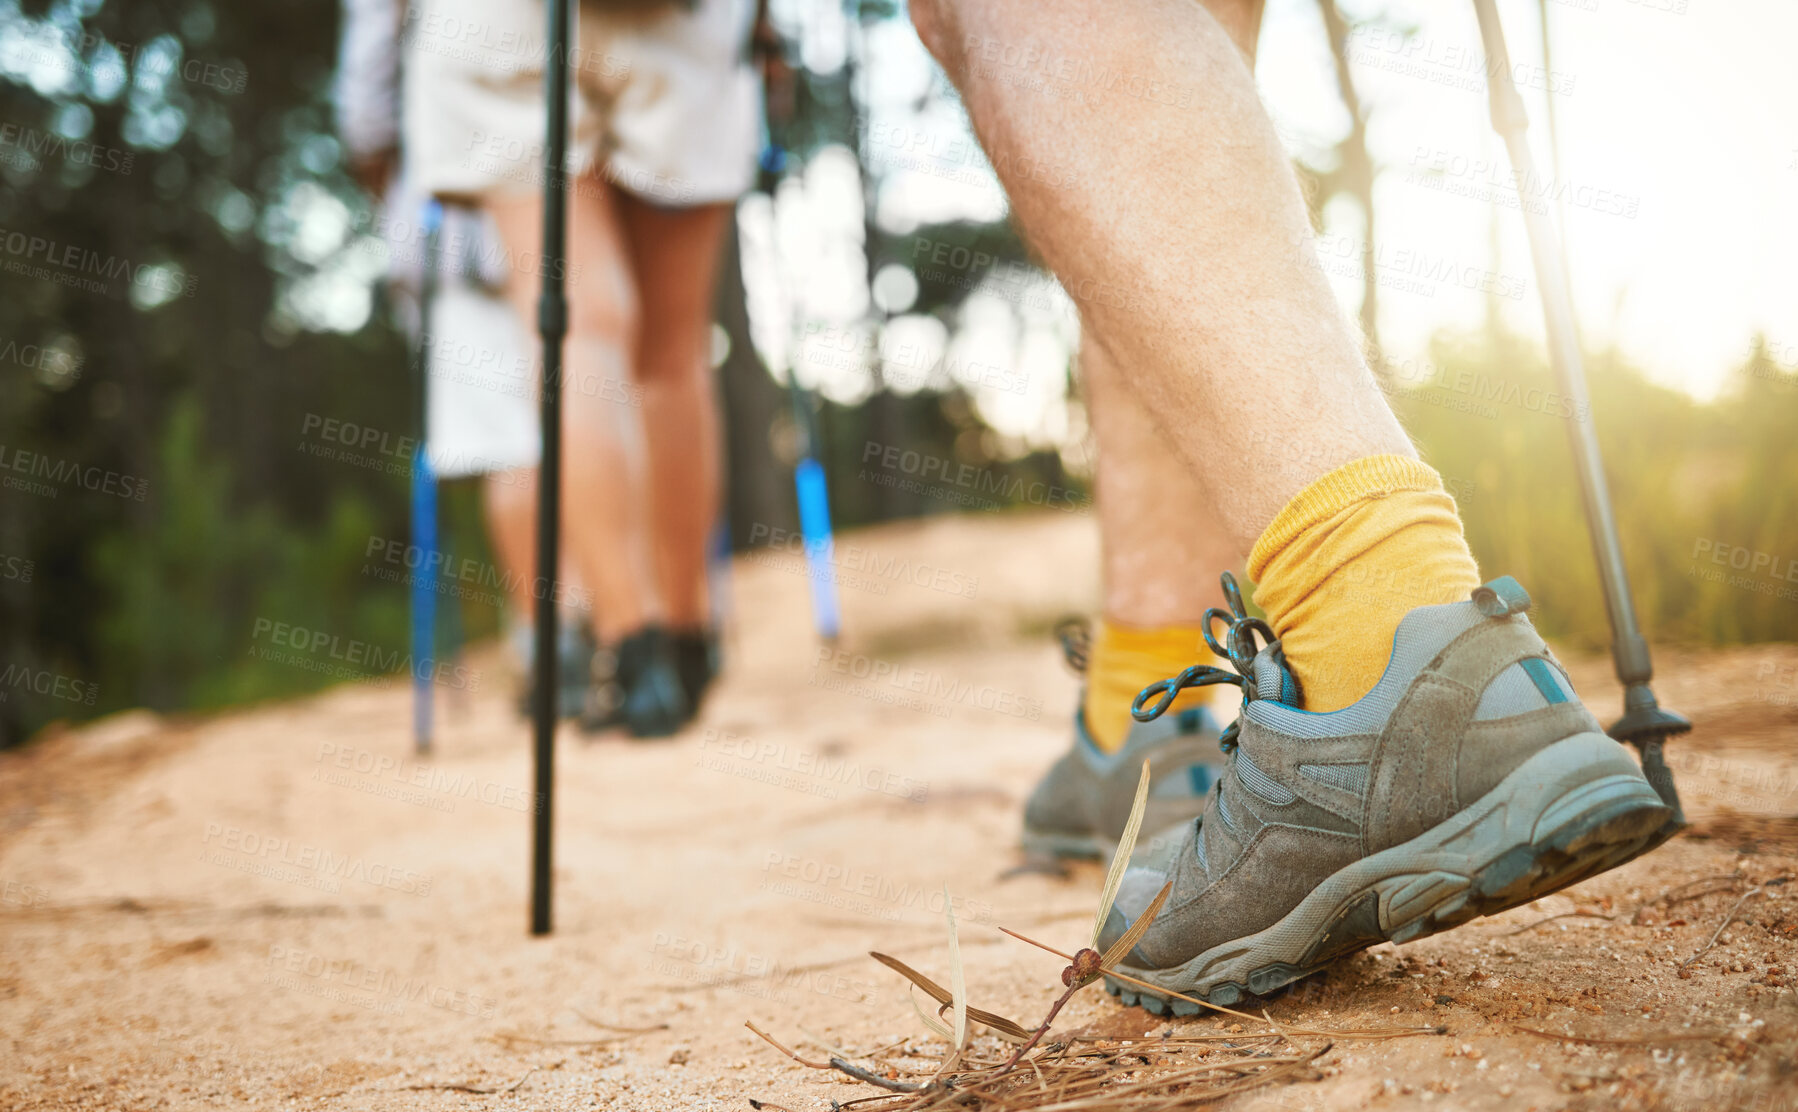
(1740, 900)
(1048, 1020)
(459, 1087)
(872, 1078)
(1646, 1040)
(1552, 918)
(839, 1064)
(615, 1027)
(775, 1043)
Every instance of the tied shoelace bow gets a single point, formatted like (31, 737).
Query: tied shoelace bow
(1239, 648)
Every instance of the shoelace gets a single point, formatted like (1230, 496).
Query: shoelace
(1076, 637)
(1239, 648)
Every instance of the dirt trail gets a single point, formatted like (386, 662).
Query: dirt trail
(280, 906)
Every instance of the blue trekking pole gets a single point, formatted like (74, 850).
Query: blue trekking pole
(424, 502)
(808, 474)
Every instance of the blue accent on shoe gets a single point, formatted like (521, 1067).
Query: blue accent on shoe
(1096, 759)
(1200, 777)
(1544, 679)
(1193, 720)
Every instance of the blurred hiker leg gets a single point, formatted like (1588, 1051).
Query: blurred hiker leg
(601, 477)
(1143, 169)
(1159, 570)
(673, 254)
(510, 501)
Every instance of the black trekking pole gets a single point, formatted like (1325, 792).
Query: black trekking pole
(552, 324)
(1645, 723)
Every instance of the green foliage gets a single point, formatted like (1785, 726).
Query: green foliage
(1688, 480)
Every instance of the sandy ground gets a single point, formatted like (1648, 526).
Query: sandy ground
(282, 907)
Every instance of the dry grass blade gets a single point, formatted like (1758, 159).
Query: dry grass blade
(935, 992)
(942, 996)
(1137, 929)
(931, 1022)
(958, 979)
(931, 988)
(1120, 861)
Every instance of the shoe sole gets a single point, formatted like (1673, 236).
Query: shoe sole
(1577, 808)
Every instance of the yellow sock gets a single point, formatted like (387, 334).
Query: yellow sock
(1346, 559)
(1126, 659)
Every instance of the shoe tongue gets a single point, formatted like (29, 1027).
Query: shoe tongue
(1273, 679)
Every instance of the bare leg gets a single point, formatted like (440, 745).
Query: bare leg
(1161, 549)
(1151, 181)
(1158, 568)
(673, 255)
(601, 497)
(510, 501)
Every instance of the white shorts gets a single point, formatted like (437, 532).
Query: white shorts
(481, 407)
(666, 104)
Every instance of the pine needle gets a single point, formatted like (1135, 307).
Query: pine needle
(958, 980)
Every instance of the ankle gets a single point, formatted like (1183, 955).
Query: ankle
(1346, 560)
(1126, 659)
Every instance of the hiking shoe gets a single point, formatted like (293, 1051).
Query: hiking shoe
(696, 662)
(1079, 808)
(1469, 780)
(637, 686)
(575, 648)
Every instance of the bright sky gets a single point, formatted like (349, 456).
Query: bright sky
(1679, 148)
(1690, 119)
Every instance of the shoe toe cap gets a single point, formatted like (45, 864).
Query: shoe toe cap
(1138, 890)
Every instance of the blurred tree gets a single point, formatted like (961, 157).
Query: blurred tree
(1354, 171)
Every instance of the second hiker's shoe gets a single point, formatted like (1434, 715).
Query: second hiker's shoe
(637, 686)
(575, 648)
(1080, 807)
(1469, 780)
(696, 662)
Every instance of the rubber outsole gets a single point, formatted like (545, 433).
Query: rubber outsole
(1590, 830)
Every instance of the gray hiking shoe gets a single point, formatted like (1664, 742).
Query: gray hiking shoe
(1079, 808)
(1469, 780)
